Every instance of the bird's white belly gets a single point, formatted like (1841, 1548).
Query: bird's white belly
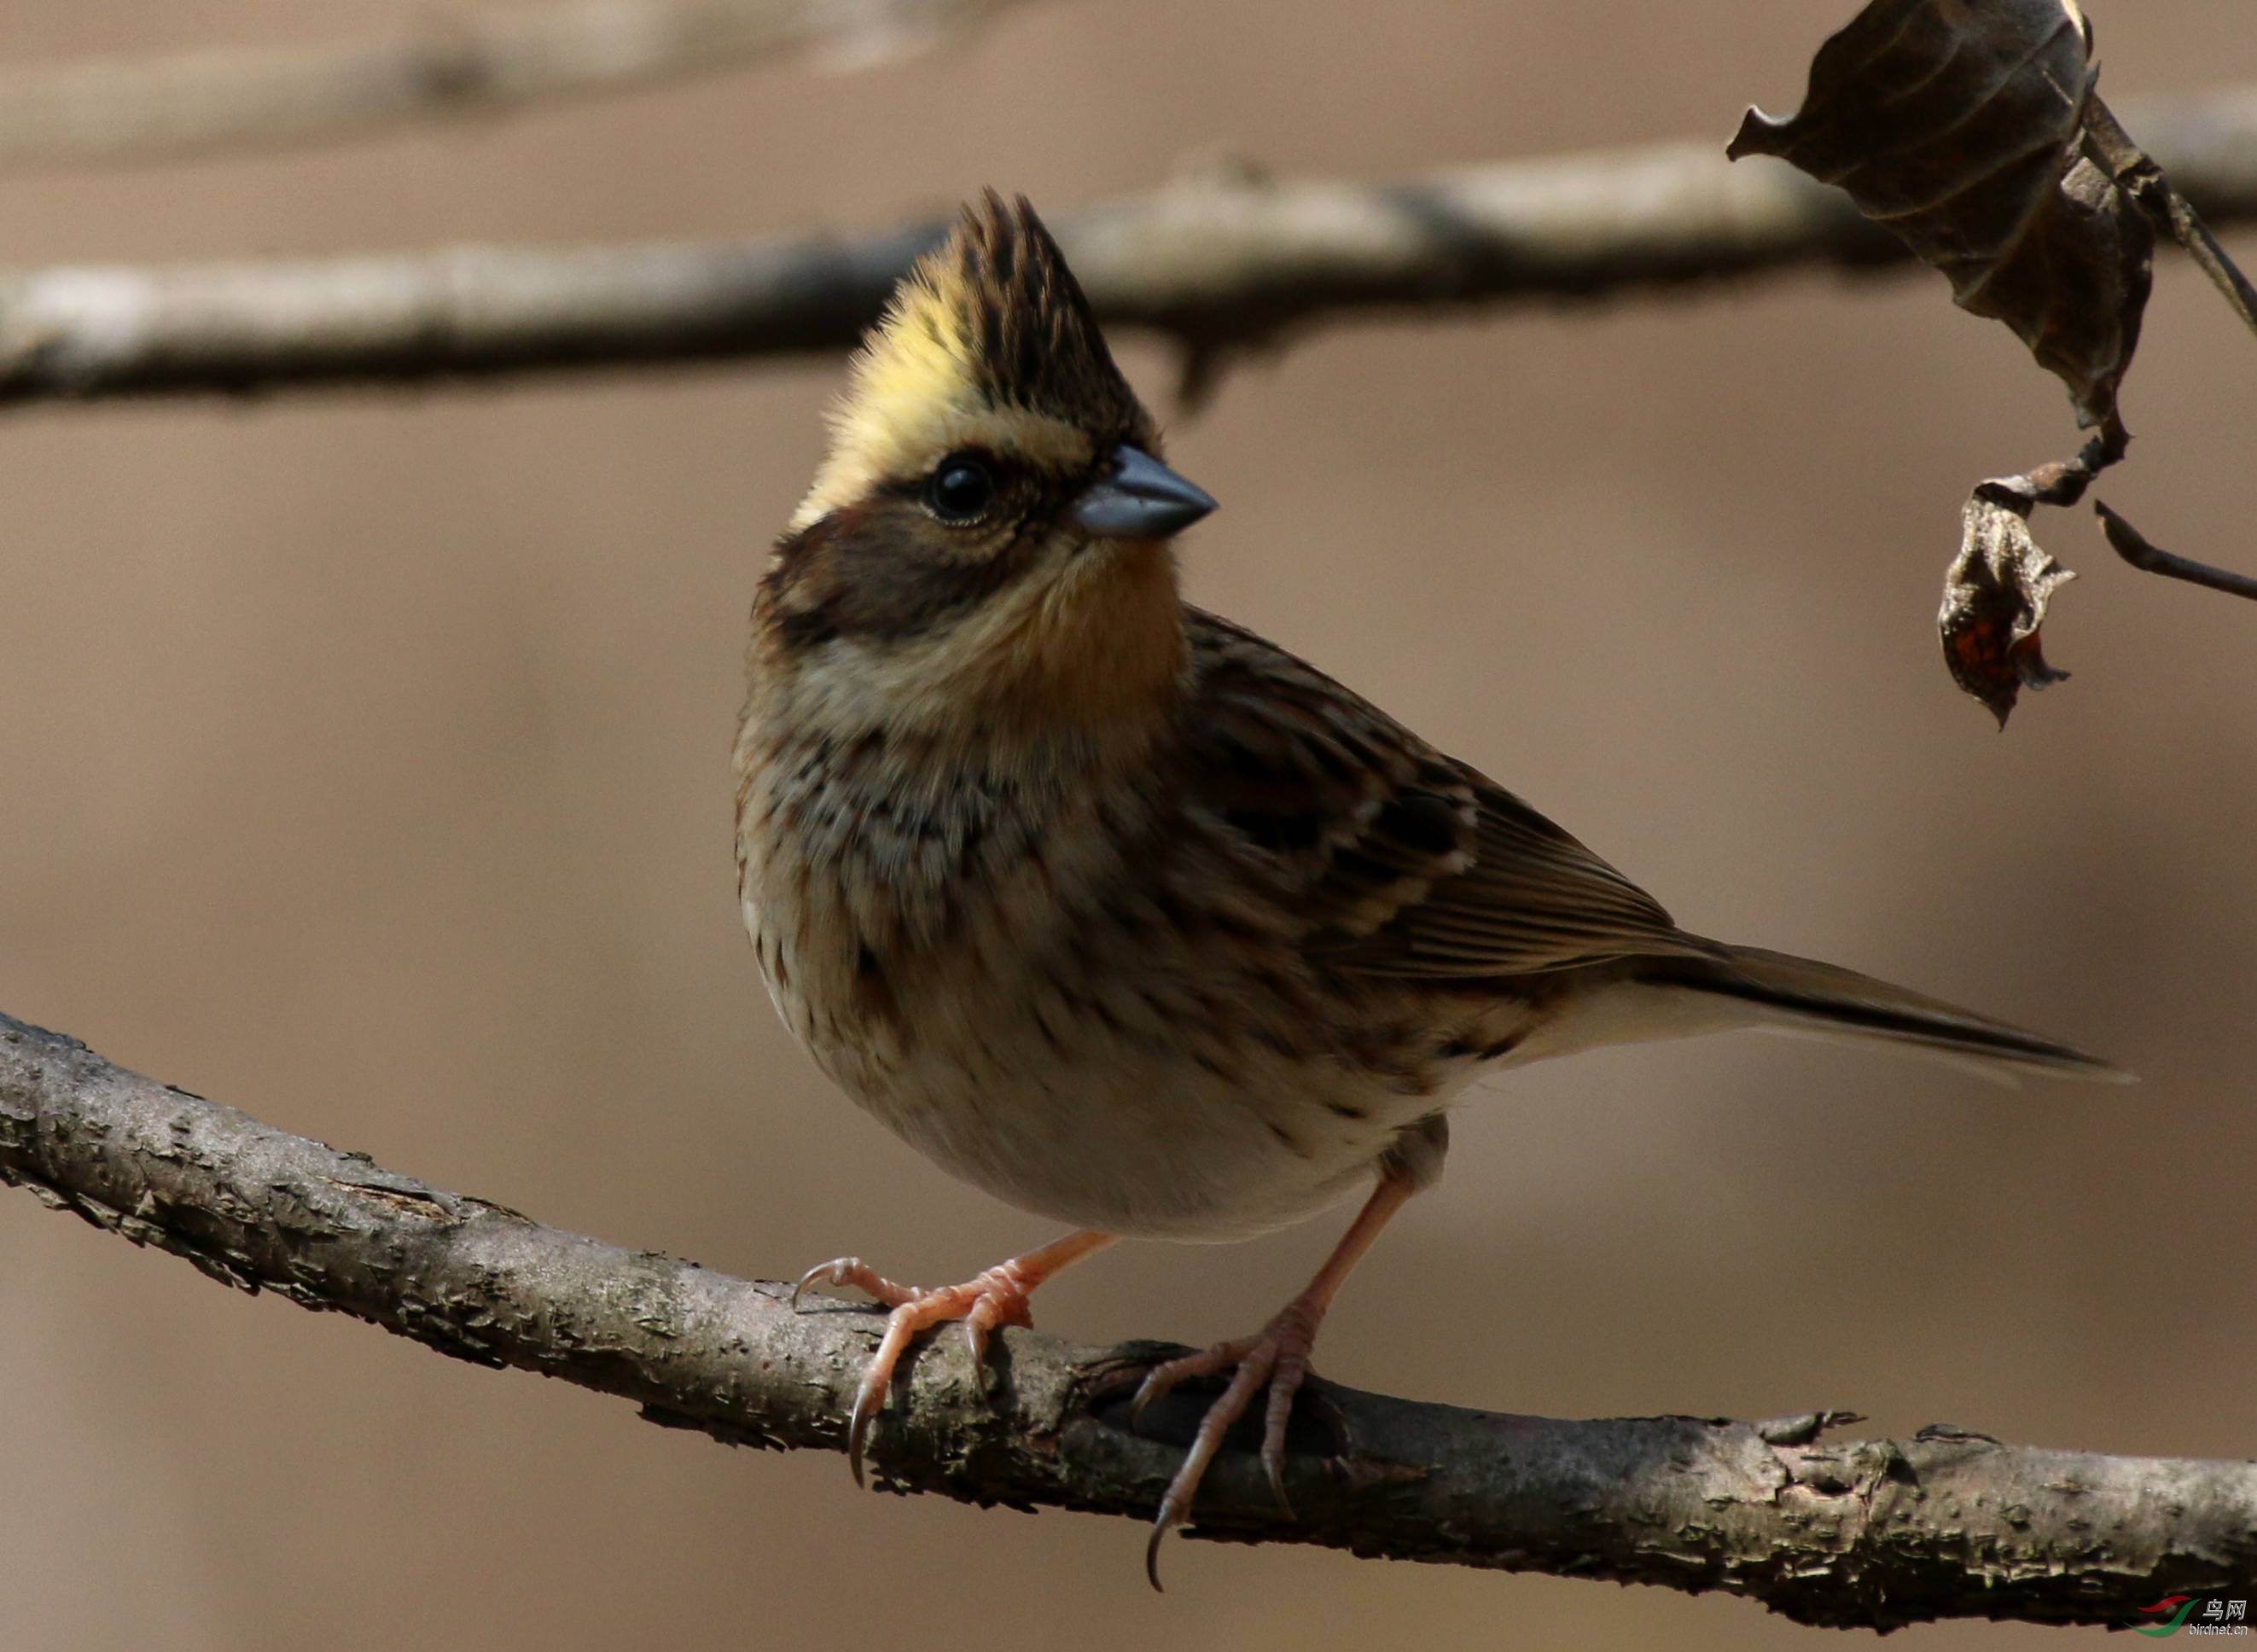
(1114, 1117)
(1143, 1147)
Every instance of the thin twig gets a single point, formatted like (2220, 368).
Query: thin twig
(2132, 545)
(2062, 482)
(196, 102)
(2150, 187)
(1872, 1533)
(1222, 265)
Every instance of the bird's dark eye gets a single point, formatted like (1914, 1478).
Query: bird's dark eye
(961, 489)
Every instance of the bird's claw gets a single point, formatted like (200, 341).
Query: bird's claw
(851, 1270)
(868, 1395)
(995, 1299)
(1277, 1360)
(824, 1272)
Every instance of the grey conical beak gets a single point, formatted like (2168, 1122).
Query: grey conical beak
(1141, 499)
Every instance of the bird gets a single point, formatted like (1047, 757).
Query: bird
(1115, 910)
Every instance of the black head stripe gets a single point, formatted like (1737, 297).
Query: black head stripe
(1040, 345)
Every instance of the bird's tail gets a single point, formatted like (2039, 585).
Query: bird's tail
(1799, 995)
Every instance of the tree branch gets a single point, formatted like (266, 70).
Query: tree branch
(1873, 1534)
(195, 103)
(1222, 262)
(2132, 545)
(2170, 212)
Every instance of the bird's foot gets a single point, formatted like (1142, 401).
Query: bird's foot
(1277, 1359)
(982, 1306)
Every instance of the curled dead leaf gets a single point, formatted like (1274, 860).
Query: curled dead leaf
(1961, 126)
(1994, 601)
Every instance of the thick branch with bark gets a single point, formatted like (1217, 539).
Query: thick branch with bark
(1222, 262)
(195, 103)
(1872, 1533)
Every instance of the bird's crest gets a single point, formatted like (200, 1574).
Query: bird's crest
(987, 342)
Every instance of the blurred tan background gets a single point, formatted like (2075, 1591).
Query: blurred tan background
(367, 769)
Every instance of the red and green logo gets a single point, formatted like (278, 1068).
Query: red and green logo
(2218, 1615)
(2177, 1605)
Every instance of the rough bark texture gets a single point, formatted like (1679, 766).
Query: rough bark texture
(1872, 1534)
(1223, 263)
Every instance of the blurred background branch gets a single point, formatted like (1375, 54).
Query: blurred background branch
(1224, 262)
(1872, 1533)
(196, 102)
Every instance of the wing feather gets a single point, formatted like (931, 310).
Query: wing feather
(1395, 860)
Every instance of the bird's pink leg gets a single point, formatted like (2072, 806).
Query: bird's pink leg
(996, 1298)
(1277, 1359)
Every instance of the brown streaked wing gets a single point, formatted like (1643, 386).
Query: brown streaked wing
(1400, 861)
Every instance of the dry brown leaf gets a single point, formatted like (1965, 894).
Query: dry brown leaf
(1994, 601)
(1958, 124)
